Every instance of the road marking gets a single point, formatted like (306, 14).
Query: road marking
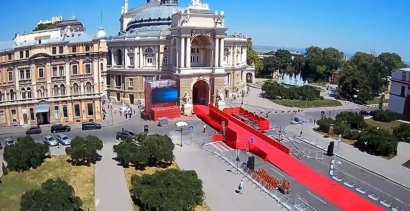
(97, 201)
(277, 172)
(316, 197)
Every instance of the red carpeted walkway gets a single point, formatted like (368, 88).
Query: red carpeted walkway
(238, 135)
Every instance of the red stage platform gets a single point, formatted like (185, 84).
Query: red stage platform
(170, 112)
(238, 133)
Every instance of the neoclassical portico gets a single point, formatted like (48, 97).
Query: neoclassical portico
(161, 40)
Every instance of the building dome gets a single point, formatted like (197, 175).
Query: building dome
(101, 33)
(153, 16)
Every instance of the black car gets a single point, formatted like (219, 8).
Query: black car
(90, 126)
(124, 135)
(33, 130)
(364, 113)
(60, 128)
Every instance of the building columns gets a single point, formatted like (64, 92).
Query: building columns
(140, 57)
(188, 52)
(216, 53)
(221, 52)
(182, 49)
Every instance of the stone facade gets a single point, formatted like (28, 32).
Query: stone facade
(60, 69)
(188, 45)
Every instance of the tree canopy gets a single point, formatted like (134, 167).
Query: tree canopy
(84, 150)
(169, 190)
(377, 141)
(54, 194)
(149, 150)
(402, 133)
(25, 154)
(252, 56)
(274, 90)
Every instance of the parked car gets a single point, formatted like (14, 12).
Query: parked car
(9, 142)
(364, 113)
(33, 130)
(124, 135)
(60, 128)
(63, 139)
(50, 141)
(90, 126)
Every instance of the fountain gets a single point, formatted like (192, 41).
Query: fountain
(293, 80)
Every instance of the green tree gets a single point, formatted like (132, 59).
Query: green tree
(283, 58)
(252, 57)
(160, 148)
(84, 150)
(169, 190)
(353, 119)
(324, 124)
(377, 141)
(402, 133)
(391, 61)
(384, 115)
(25, 154)
(353, 85)
(53, 195)
(313, 60)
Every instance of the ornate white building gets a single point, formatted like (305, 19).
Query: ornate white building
(160, 40)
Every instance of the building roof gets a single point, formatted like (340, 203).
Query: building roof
(405, 69)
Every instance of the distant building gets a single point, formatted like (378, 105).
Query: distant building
(161, 40)
(51, 76)
(400, 92)
(58, 22)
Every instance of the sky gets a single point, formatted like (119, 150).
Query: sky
(348, 25)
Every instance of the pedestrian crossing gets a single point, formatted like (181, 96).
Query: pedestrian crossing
(221, 146)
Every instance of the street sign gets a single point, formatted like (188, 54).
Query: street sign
(191, 127)
(252, 140)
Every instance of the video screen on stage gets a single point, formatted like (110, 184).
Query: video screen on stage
(164, 95)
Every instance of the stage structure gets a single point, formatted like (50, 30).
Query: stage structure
(161, 99)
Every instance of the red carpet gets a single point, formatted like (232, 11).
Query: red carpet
(278, 155)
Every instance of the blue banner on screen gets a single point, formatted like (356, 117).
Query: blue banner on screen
(164, 95)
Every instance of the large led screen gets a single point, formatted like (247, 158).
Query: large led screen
(164, 95)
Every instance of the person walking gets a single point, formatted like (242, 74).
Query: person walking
(204, 129)
(240, 187)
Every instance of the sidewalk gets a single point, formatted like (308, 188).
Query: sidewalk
(111, 191)
(391, 169)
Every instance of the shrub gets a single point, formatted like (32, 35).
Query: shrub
(274, 90)
(355, 120)
(170, 190)
(324, 124)
(25, 154)
(351, 134)
(402, 133)
(53, 195)
(377, 141)
(84, 150)
(341, 128)
(384, 115)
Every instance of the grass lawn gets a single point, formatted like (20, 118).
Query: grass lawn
(151, 170)
(383, 125)
(15, 184)
(308, 104)
(376, 101)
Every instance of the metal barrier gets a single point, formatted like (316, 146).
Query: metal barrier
(284, 200)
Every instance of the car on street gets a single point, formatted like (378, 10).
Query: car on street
(124, 135)
(9, 142)
(63, 139)
(33, 130)
(60, 128)
(90, 126)
(50, 141)
(364, 113)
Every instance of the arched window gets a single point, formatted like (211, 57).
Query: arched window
(88, 88)
(23, 93)
(56, 91)
(76, 89)
(42, 92)
(62, 90)
(109, 61)
(12, 95)
(118, 55)
(149, 57)
(226, 55)
(29, 94)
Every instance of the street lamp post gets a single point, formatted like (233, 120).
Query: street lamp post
(181, 136)
(237, 162)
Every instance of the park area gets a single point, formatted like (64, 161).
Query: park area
(307, 104)
(15, 184)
